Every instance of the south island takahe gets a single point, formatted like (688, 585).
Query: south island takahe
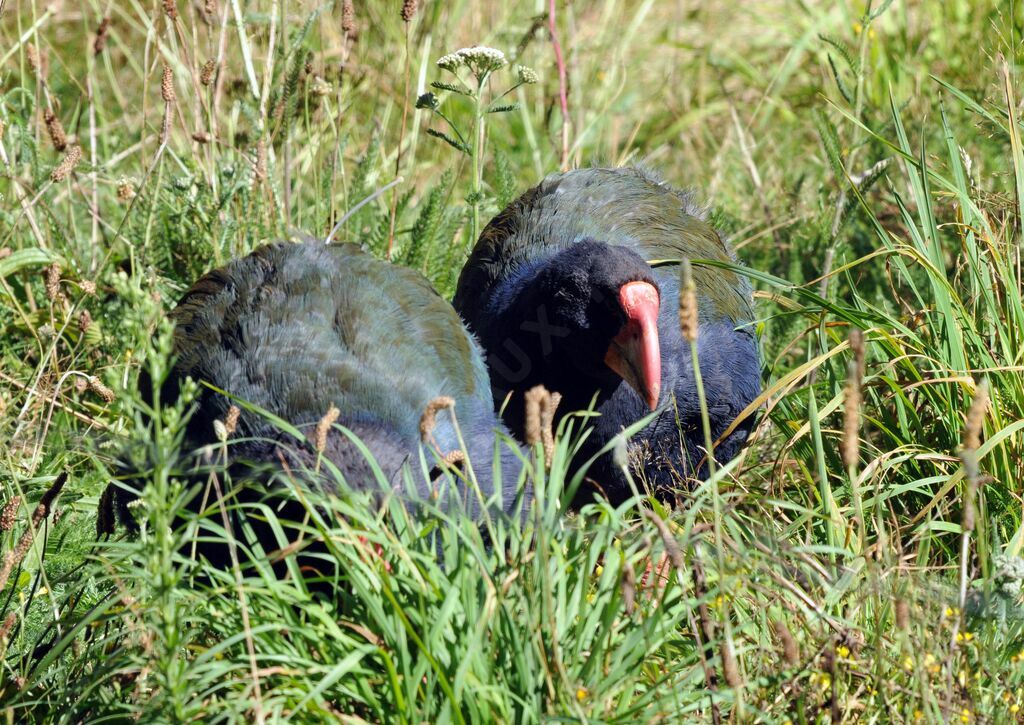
(295, 329)
(562, 290)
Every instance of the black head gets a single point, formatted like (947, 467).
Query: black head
(602, 308)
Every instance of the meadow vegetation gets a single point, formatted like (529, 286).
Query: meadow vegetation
(861, 560)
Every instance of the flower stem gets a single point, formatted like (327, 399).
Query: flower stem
(478, 147)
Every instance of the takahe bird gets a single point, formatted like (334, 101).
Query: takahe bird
(575, 285)
(295, 329)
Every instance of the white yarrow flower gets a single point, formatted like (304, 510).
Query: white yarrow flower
(480, 59)
(450, 62)
(526, 75)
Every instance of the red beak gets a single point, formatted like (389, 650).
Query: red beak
(635, 353)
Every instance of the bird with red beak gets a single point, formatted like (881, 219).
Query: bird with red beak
(634, 353)
(575, 286)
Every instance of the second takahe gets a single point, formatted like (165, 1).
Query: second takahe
(296, 329)
(562, 290)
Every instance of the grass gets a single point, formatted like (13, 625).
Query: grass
(859, 561)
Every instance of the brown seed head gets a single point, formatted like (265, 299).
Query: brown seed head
(790, 649)
(348, 17)
(9, 516)
(323, 427)
(167, 85)
(67, 164)
(42, 510)
(850, 447)
(429, 418)
(55, 130)
(409, 10)
(201, 137)
(171, 8)
(208, 71)
(540, 415)
(125, 190)
(976, 417)
(6, 627)
(84, 320)
(210, 7)
(52, 276)
(231, 419)
(628, 587)
(38, 61)
(902, 613)
(96, 385)
(454, 458)
(857, 345)
(261, 160)
(688, 319)
(88, 286)
(729, 667)
(102, 33)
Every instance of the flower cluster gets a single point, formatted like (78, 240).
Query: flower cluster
(480, 60)
(526, 75)
(1009, 575)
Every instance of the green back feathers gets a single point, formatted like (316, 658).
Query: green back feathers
(625, 206)
(294, 328)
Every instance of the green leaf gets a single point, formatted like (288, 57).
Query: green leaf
(450, 141)
(25, 258)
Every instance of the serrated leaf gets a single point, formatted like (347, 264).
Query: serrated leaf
(453, 87)
(844, 51)
(840, 83)
(450, 141)
(503, 108)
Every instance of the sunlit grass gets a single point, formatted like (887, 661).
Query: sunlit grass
(868, 167)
